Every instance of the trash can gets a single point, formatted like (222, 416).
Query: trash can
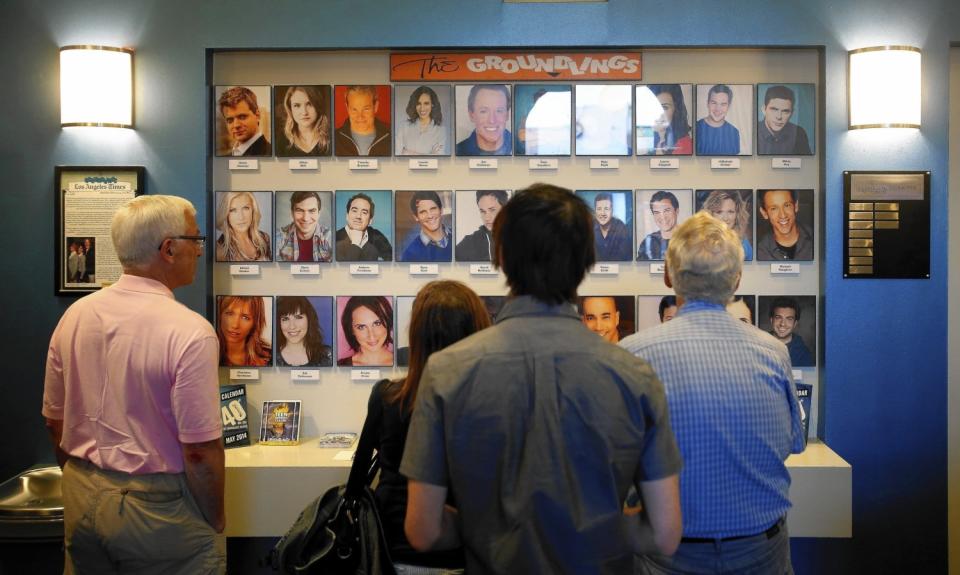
(31, 522)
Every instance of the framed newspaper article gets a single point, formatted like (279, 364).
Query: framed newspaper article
(87, 197)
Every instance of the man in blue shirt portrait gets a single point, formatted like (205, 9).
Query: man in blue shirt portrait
(784, 319)
(734, 409)
(433, 241)
(715, 135)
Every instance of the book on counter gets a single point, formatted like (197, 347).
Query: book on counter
(804, 395)
(280, 422)
(233, 413)
(340, 440)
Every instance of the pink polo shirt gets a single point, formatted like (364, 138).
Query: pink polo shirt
(133, 374)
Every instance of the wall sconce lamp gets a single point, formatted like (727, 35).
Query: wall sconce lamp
(883, 87)
(96, 86)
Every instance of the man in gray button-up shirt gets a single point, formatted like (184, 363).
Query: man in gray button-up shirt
(539, 427)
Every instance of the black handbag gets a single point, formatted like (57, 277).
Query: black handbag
(340, 532)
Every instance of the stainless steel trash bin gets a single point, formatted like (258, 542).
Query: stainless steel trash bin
(31, 506)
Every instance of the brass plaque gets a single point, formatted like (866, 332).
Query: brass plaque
(860, 261)
(867, 206)
(861, 233)
(888, 215)
(861, 252)
(888, 225)
(886, 207)
(886, 187)
(861, 215)
(861, 243)
(861, 225)
(861, 269)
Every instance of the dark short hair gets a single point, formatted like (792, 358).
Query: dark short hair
(499, 195)
(780, 93)
(761, 194)
(784, 301)
(313, 339)
(237, 94)
(544, 239)
(721, 89)
(436, 114)
(502, 88)
(665, 195)
(362, 196)
(298, 197)
(666, 301)
(602, 196)
(378, 304)
(422, 195)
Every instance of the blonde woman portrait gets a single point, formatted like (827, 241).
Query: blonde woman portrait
(238, 220)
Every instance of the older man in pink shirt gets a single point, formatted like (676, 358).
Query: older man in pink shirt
(132, 406)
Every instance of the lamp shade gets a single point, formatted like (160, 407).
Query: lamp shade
(96, 86)
(884, 87)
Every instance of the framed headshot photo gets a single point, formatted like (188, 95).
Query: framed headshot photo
(304, 331)
(735, 208)
(301, 124)
(612, 223)
(603, 120)
(542, 119)
(280, 422)
(663, 114)
(792, 319)
(423, 117)
(404, 307)
(483, 120)
(609, 316)
(241, 121)
(724, 120)
(245, 330)
(304, 224)
(365, 336)
(476, 210)
(87, 198)
(785, 225)
(786, 119)
(658, 214)
(244, 222)
(361, 116)
(744, 308)
(364, 221)
(424, 225)
(652, 310)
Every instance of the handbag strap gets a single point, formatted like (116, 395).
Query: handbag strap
(365, 464)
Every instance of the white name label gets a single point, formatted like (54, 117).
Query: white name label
(604, 163)
(798, 375)
(304, 164)
(423, 164)
(424, 269)
(780, 269)
(364, 164)
(364, 374)
(244, 374)
(305, 270)
(482, 270)
(786, 163)
(606, 269)
(365, 269)
(658, 268)
(483, 164)
(245, 164)
(245, 270)
(664, 163)
(544, 164)
(725, 163)
(305, 375)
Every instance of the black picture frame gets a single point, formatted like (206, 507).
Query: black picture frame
(105, 182)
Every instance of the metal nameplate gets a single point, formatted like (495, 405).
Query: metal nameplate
(861, 225)
(888, 225)
(861, 233)
(860, 252)
(861, 243)
(860, 269)
(887, 216)
(860, 261)
(867, 206)
(887, 207)
(861, 215)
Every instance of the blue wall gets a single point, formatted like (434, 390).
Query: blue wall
(885, 342)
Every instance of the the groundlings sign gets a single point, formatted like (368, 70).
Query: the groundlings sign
(506, 66)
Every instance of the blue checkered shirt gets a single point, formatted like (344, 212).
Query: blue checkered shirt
(734, 411)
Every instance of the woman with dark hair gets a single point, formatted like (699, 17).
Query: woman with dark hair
(367, 324)
(307, 124)
(299, 337)
(424, 132)
(729, 206)
(240, 323)
(443, 313)
(671, 132)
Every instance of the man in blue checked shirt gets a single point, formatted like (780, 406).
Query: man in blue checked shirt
(734, 411)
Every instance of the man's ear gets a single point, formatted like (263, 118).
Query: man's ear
(763, 212)
(739, 277)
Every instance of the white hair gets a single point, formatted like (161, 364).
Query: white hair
(704, 259)
(140, 226)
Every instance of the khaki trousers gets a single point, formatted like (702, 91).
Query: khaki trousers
(120, 523)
